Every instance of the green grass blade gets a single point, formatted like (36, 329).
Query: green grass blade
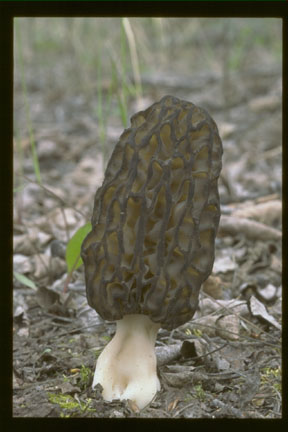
(73, 249)
(27, 108)
(24, 280)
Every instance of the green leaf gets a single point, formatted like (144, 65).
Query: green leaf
(73, 259)
(24, 280)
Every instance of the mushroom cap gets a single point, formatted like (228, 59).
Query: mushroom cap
(155, 217)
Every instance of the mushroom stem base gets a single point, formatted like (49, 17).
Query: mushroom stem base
(126, 368)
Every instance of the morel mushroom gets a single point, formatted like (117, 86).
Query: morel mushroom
(152, 242)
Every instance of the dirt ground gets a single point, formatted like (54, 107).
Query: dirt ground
(226, 362)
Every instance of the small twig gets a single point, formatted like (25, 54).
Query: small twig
(219, 404)
(58, 317)
(210, 352)
(183, 409)
(74, 330)
(233, 225)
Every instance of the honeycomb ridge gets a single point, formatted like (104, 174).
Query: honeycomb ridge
(155, 217)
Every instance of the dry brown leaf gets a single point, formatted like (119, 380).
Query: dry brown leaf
(228, 327)
(60, 223)
(41, 265)
(30, 242)
(46, 298)
(23, 244)
(259, 310)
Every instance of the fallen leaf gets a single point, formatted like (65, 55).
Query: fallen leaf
(228, 327)
(46, 297)
(268, 293)
(258, 310)
(41, 265)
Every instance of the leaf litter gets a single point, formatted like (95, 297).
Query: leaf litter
(226, 362)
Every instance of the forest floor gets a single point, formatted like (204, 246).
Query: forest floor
(226, 362)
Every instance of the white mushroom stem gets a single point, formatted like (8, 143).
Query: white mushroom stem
(126, 368)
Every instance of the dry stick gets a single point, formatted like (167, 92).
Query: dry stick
(183, 409)
(133, 54)
(253, 230)
(167, 353)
